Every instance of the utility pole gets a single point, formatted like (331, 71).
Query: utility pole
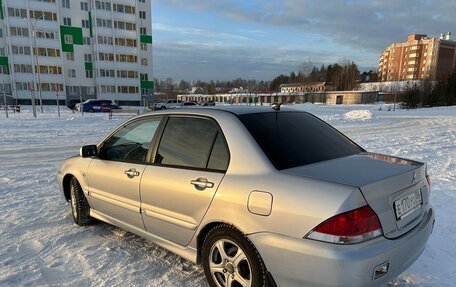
(58, 104)
(80, 101)
(4, 98)
(32, 94)
(37, 67)
(35, 51)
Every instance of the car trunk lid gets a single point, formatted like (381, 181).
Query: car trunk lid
(390, 185)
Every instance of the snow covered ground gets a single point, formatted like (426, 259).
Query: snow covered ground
(41, 246)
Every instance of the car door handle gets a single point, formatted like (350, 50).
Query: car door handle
(132, 173)
(202, 183)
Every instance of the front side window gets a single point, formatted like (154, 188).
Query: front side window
(131, 143)
(189, 142)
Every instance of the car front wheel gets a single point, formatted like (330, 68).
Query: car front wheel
(79, 205)
(231, 260)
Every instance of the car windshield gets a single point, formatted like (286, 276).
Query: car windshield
(291, 139)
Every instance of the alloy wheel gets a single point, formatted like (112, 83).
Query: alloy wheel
(229, 265)
(73, 202)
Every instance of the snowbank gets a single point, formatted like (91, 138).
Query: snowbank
(41, 246)
(360, 115)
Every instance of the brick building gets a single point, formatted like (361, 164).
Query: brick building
(420, 58)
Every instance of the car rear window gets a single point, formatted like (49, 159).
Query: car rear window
(291, 139)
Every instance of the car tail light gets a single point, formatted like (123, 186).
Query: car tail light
(354, 226)
(428, 178)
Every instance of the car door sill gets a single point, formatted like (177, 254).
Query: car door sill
(186, 252)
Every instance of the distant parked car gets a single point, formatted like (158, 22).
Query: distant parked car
(258, 196)
(208, 103)
(186, 104)
(97, 106)
(73, 104)
(167, 104)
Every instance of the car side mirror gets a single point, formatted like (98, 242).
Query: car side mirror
(88, 151)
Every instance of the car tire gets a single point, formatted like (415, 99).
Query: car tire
(239, 264)
(90, 110)
(163, 108)
(79, 206)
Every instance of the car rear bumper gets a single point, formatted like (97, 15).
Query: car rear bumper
(304, 262)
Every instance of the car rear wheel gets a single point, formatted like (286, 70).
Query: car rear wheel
(79, 205)
(231, 260)
(163, 108)
(90, 110)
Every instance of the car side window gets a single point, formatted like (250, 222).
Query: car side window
(219, 156)
(131, 143)
(187, 142)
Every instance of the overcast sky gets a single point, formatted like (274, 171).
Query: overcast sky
(222, 40)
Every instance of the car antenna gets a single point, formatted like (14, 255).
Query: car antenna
(276, 106)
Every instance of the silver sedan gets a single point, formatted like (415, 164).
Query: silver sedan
(258, 196)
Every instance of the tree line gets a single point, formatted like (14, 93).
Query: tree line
(169, 86)
(442, 93)
(344, 76)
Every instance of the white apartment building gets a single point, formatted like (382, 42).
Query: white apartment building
(76, 48)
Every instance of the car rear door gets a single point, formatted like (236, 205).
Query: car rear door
(187, 168)
(114, 176)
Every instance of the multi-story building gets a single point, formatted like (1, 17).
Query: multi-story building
(76, 48)
(420, 58)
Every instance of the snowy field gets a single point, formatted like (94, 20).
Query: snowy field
(41, 246)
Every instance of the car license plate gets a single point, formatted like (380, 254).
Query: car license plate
(408, 204)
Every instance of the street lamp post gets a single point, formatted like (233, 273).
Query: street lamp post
(58, 104)
(4, 98)
(35, 51)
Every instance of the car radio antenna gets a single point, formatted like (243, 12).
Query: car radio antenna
(276, 106)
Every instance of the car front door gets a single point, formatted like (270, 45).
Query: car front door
(178, 187)
(114, 176)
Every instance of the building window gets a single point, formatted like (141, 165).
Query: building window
(142, 1)
(72, 73)
(89, 74)
(16, 12)
(144, 62)
(85, 23)
(66, 21)
(104, 23)
(142, 14)
(143, 31)
(101, 5)
(16, 31)
(68, 39)
(144, 46)
(88, 57)
(84, 6)
(70, 56)
(66, 4)
(40, 15)
(86, 41)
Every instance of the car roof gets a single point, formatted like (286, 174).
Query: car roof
(236, 110)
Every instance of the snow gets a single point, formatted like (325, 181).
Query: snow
(41, 246)
(363, 115)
